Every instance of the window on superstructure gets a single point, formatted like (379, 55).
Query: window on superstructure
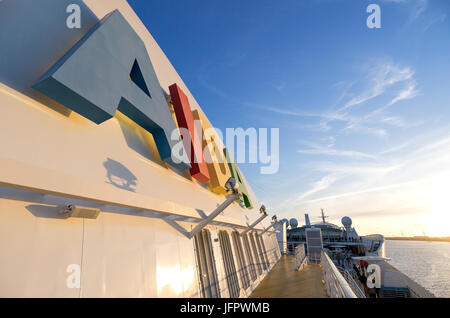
(228, 262)
(206, 265)
(255, 254)
(264, 251)
(260, 252)
(242, 266)
(250, 260)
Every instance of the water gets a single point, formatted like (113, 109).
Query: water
(424, 262)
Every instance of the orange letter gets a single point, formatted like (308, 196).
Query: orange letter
(217, 166)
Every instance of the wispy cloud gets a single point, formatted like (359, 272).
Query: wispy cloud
(206, 74)
(397, 147)
(419, 8)
(416, 7)
(335, 152)
(329, 150)
(437, 19)
(283, 111)
(318, 186)
(438, 144)
(353, 169)
(359, 192)
(407, 93)
(398, 181)
(380, 78)
(385, 82)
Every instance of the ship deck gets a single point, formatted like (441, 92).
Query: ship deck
(284, 281)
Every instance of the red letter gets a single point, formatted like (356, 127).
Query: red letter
(185, 120)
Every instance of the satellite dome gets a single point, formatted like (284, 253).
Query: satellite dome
(293, 223)
(346, 221)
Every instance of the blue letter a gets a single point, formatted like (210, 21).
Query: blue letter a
(109, 69)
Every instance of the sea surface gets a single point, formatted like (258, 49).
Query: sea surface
(424, 262)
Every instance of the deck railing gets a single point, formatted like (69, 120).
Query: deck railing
(352, 282)
(336, 285)
(300, 256)
(290, 248)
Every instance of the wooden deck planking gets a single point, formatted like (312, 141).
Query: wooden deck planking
(284, 281)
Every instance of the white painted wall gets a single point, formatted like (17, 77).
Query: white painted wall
(46, 148)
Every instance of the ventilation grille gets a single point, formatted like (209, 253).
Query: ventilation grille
(314, 245)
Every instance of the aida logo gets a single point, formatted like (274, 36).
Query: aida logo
(108, 70)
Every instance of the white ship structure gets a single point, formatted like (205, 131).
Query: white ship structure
(352, 265)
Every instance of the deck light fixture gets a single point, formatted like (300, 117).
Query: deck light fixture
(275, 230)
(230, 185)
(275, 222)
(75, 211)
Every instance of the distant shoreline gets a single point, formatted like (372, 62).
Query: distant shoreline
(419, 238)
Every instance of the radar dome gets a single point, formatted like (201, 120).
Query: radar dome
(346, 221)
(293, 223)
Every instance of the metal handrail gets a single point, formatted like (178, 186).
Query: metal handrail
(290, 249)
(337, 286)
(300, 256)
(352, 282)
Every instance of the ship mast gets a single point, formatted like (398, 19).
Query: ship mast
(323, 216)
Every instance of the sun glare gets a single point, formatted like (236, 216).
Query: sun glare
(437, 221)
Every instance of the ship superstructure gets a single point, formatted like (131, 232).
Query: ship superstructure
(352, 265)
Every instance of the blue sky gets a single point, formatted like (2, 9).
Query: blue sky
(364, 114)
